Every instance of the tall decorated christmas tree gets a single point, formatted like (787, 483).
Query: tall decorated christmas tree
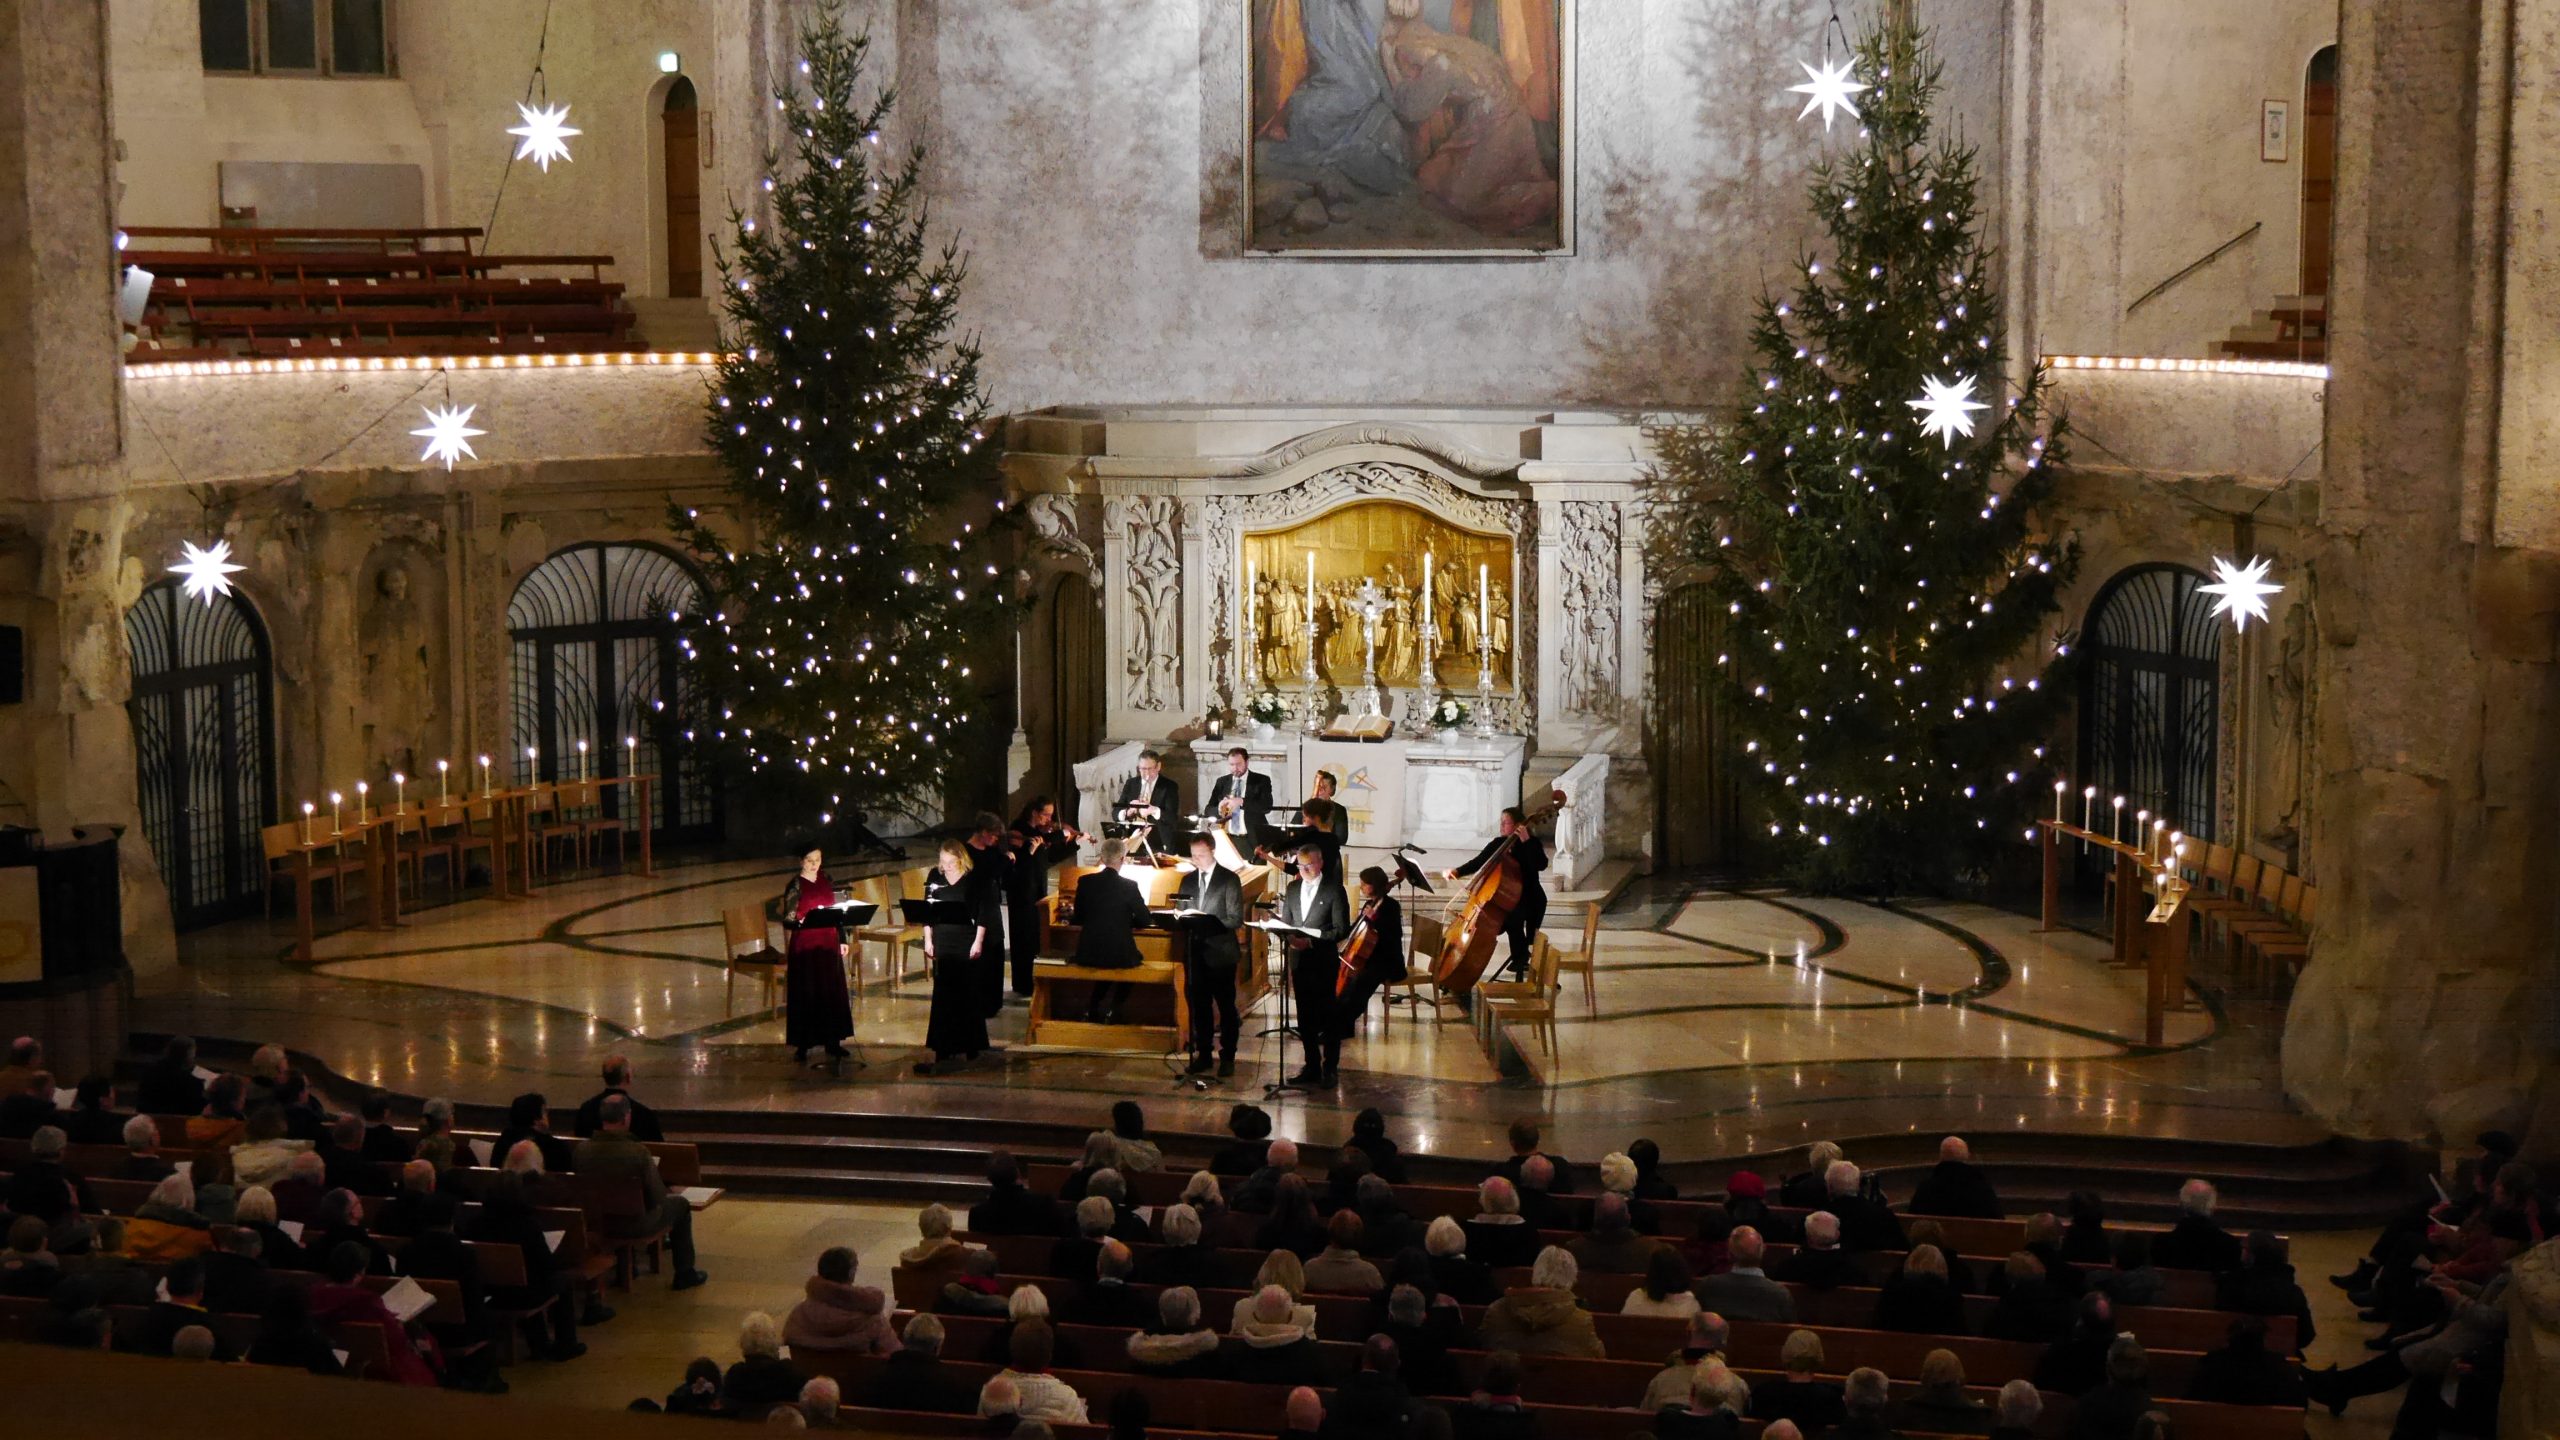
(830, 657)
(1870, 523)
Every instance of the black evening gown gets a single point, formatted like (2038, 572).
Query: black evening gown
(989, 874)
(821, 1012)
(957, 1023)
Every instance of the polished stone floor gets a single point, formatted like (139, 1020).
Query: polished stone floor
(1723, 1021)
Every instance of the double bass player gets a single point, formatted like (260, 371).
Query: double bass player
(1529, 854)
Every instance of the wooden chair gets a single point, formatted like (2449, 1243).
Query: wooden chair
(1580, 957)
(545, 827)
(2282, 890)
(750, 949)
(612, 1204)
(586, 799)
(893, 935)
(283, 844)
(2291, 947)
(1532, 1000)
(1426, 935)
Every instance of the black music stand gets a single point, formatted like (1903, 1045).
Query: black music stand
(1410, 876)
(1279, 930)
(1144, 830)
(850, 915)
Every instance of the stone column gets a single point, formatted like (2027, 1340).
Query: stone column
(2427, 1005)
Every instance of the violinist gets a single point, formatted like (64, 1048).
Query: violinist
(1328, 811)
(1212, 954)
(1316, 821)
(1039, 844)
(1378, 929)
(1529, 854)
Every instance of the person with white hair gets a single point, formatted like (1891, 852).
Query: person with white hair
(1255, 1195)
(917, 1378)
(819, 1401)
(1613, 1247)
(2020, 1406)
(1185, 1257)
(1707, 1339)
(1865, 1223)
(1180, 1343)
(1072, 1257)
(761, 1378)
(1807, 1189)
(1864, 1396)
(1745, 1291)
(1800, 1395)
(1454, 1272)
(1279, 1335)
(1543, 1317)
(1955, 1186)
(142, 1159)
(167, 1227)
(934, 1249)
(1499, 1235)
(2197, 1241)
(1819, 1263)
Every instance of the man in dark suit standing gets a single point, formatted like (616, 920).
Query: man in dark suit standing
(1241, 800)
(1150, 798)
(1109, 906)
(1210, 962)
(1315, 901)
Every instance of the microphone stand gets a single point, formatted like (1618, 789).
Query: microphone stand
(1279, 1084)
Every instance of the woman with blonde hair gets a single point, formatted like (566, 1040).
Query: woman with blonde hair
(762, 1378)
(1281, 1270)
(956, 1028)
(934, 1248)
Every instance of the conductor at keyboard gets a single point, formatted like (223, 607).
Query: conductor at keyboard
(1109, 906)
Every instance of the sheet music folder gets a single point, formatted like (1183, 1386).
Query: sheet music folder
(1283, 927)
(851, 915)
(937, 912)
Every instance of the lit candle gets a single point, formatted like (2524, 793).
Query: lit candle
(582, 762)
(488, 780)
(2088, 810)
(1484, 605)
(2059, 787)
(532, 765)
(2158, 829)
(2169, 852)
(2115, 827)
(1311, 587)
(444, 795)
(399, 793)
(631, 754)
(1248, 602)
(364, 789)
(334, 798)
(1426, 581)
(306, 822)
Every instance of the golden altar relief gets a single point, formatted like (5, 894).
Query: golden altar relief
(1468, 596)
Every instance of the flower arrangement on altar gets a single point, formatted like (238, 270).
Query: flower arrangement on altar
(1265, 707)
(1449, 714)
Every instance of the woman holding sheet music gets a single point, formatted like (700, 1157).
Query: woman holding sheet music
(956, 1028)
(820, 1013)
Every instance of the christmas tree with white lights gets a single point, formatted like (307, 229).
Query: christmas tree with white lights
(829, 658)
(1870, 527)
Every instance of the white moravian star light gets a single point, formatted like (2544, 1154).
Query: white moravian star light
(1946, 408)
(208, 572)
(545, 133)
(1828, 90)
(448, 434)
(2241, 591)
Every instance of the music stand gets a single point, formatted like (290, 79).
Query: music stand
(1143, 830)
(1279, 930)
(1410, 876)
(849, 915)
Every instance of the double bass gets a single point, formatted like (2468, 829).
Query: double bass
(1487, 910)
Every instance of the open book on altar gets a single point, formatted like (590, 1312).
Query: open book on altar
(1364, 727)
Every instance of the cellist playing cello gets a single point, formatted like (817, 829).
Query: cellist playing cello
(1529, 853)
(1374, 955)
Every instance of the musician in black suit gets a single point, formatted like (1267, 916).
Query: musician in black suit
(1150, 798)
(1039, 844)
(1212, 954)
(1315, 900)
(1386, 958)
(1109, 906)
(1241, 800)
(1319, 824)
(1529, 853)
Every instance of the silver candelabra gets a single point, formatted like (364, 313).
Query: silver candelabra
(1314, 718)
(1483, 724)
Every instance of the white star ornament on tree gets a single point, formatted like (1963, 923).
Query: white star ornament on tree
(1828, 90)
(1946, 408)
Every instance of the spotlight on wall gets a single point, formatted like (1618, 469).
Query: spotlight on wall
(668, 62)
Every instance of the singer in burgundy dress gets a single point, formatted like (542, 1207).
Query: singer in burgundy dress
(820, 1012)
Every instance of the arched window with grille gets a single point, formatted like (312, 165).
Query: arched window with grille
(204, 750)
(593, 633)
(2151, 696)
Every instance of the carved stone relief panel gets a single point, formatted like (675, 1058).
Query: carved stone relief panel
(1589, 607)
(1150, 531)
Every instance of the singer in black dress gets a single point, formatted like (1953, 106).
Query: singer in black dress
(956, 1027)
(821, 1012)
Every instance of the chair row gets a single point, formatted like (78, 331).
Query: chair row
(2262, 911)
(570, 818)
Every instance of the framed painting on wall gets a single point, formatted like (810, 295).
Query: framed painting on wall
(1413, 128)
(2275, 130)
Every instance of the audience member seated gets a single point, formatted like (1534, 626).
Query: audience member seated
(1499, 1236)
(29, 1268)
(437, 1253)
(1524, 1143)
(160, 1324)
(1713, 1409)
(1024, 1305)
(1939, 1406)
(92, 1118)
(1807, 1189)
(507, 1217)
(42, 1186)
(915, 1378)
(1292, 1224)
(2030, 1308)
(1072, 1258)
(265, 1152)
(835, 1314)
(1099, 1151)
(1668, 1289)
(935, 1253)
(2196, 1242)
(2472, 1339)
(1538, 1206)
(1369, 1137)
(1375, 1403)
(1542, 1317)
(1385, 1228)
(1131, 1152)
(2077, 1363)
(1184, 1257)
(1495, 1411)
(612, 1155)
(195, 1342)
(820, 1399)
(1454, 1273)
(1279, 1335)
(1206, 1195)
(617, 1081)
(2085, 1240)
(1251, 1127)
(1338, 1268)
(344, 1162)
(1111, 1300)
(1864, 1224)
(1955, 1186)
(142, 1159)
(1863, 1398)
(1039, 1394)
(168, 1227)
(1708, 1336)
(1255, 1195)
(299, 1190)
(169, 1084)
(2244, 1372)
(340, 1221)
(2264, 1285)
(1819, 1263)
(1799, 1395)
(28, 1105)
(1342, 1182)
(383, 1142)
(2014, 1418)
(1179, 1345)
(529, 1118)
(104, 1274)
(1924, 1231)
(2043, 1233)
(1010, 1207)
(268, 1065)
(255, 1210)
(1424, 1333)
(1613, 1247)
(1302, 1415)
(304, 1117)
(1745, 1291)
(2111, 1411)
(761, 1379)
(1650, 1182)
(287, 1338)
(1918, 1299)
(223, 1122)
(2134, 1280)
(436, 1143)
(975, 1290)
(1746, 1202)
(236, 1281)
(405, 1211)
(700, 1392)
(1126, 1225)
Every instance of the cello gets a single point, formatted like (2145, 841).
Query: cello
(1356, 950)
(1487, 910)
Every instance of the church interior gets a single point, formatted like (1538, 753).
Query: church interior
(1115, 664)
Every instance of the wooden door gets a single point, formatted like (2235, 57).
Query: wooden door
(1695, 790)
(1075, 700)
(684, 192)
(2319, 167)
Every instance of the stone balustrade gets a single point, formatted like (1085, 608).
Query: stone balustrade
(1582, 826)
(1098, 783)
